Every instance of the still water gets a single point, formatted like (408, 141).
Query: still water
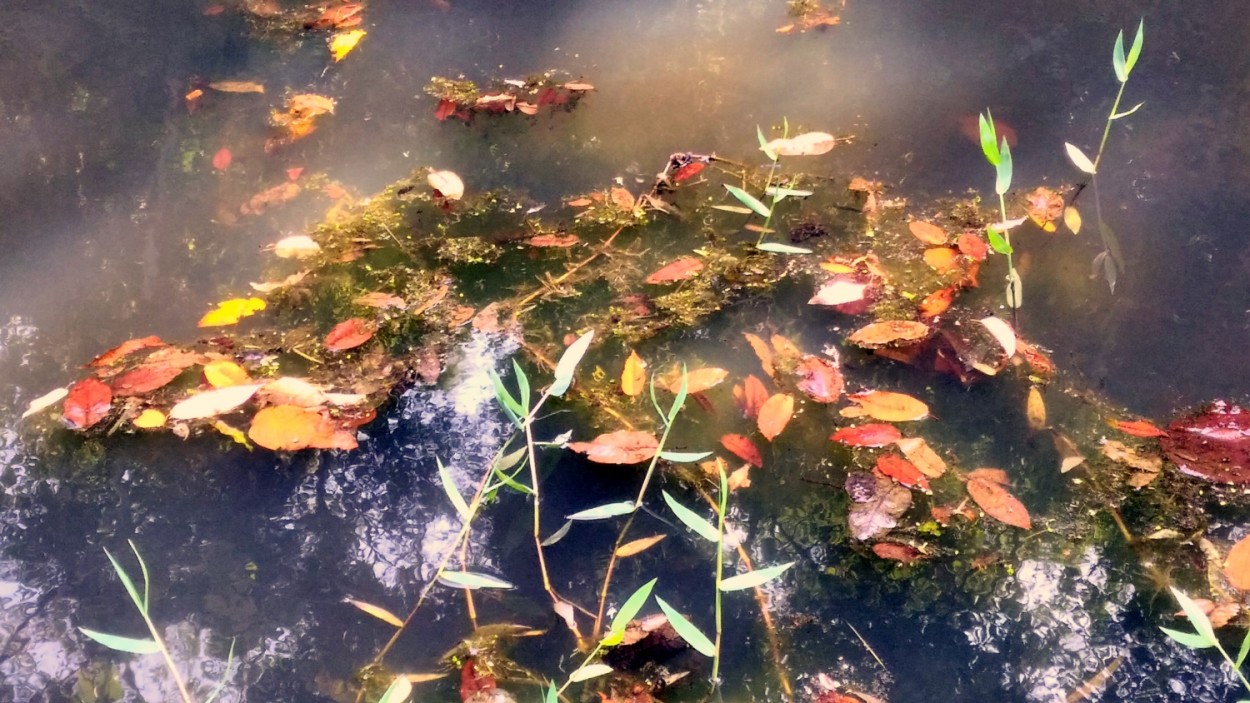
(116, 225)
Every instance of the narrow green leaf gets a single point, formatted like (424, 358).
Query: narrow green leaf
(140, 603)
(558, 534)
(1127, 112)
(123, 644)
(553, 694)
(759, 133)
(523, 388)
(399, 691)
(655, 402)
(511, 459)
(453, 493)
(1002, 183)
(1135, 51)
(1079, 159)
(568, 364)
(678, 400)
(1112, 243)
(509, 404)
(603, 512)
(997, 242)
(629, 610)
(590, 671)
(778, 248)
(143, 570)
(780, 193)
(735, 209)
(1245, 649)
(1196, 617)
(691, 634)
(469, 579)
(225, 675)
(755, 578)
(701, 526)
(1015, 290)
(989, 139)
(1117, 58)
(512, 483)
(684, 457)
(1189, 639)
(749, 200)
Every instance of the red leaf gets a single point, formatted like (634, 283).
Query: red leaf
(903, 471)
(349, 334)
(111, 356)
(679, 270)
(293, 174)
(1137, 428)
(445, 109)
(937, 302)
(472, 683)
(821, 380)
(743, 448)
(146, 378)
(222, 159)
(1213, 444)
(688, 171)
(88, 402)
(620, 447)
(998, 503)
(898, 552)
(870, 435)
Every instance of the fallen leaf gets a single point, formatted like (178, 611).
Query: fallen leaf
(1070, 456)
(1044, 206)
(1237, 565)
(1137, 428)
(889, 332)
(553, 240)
(221, 373)
(620, 447)
(697, 381)
(688, 171)
(809, 144)
(341, 44)
(446, 184)
(86, 403)
(889, 406)
(578, 86)
(878, 503)
(213, 403)
(349, 334)
(942, 259)
(1035, 410)
(750, 397)
(937, 302)
(339, 16)
(222, 159)
(903, 471)
(920, 454)
(150, 419)
(775, 414)
(127, 347)
(927, 232)
(300, 246)
(147, 377)
(270, 197)
(819, 379)
(896, 552)
(289, 390)
(1146, 467)
(289, 428)
(740, 478)
(272, 286)
(1072, 220)
(1213, 444)
(237, 86)
(293, 174)
(870, 435)
(621, 198)
(998, 502)
(45, 401)
(840, 291)
(972, 246)
(229, 312)
(634, 375)
(762, 351)
(743, 448)
(637, 546)
(380, 300)
(679, 270)
(1001, 331)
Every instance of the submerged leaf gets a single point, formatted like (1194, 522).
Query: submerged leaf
(634, 376)
(446, 184)
(679, 270)
(620, 447)
(819, 379)
(889, 332)
(290, 428)
(743, 448)
(349, 334)
(775, 414)
(903, 471)
(998, 502)
(889, 406)
(751, 579)
(638, 546)
(919, 453)
(378, 612)
(927, 232)
(687, 630)
(807, 144)
(870, 435)
(86, 403)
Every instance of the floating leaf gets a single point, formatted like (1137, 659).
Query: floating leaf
(870, 435)
(1072, 219)
(634, 377)
(735, 209)
(889, 406)
(299, 246)
(1137, 428)
(290, 428)
(696, 381)
(751, 579)
(349, 334)
(942, 259)
(153, 374)
(567, 366)
(399, 691)
(687, 630)
(895, 551)
(920, 454)
(446, 184)
(45, 401)
(86, 403)
(380, 300)
(938, 302)
(743, 448)
(638, 546)
(150, 419)
(453, 493)
(590, 671)
(819, 379)
(927, 232)
(237, 86)
(1079, 159)
(878, 503)
(630, 608)
(972, 246)
(472, 580)
(749, 200)
(778, 248)
(684, 457)
(123, 644)
(679, 270)
(691, 519)
(213, 403)
(903, 471)
(621, 198)
(807, 144)
(127, 347)
(378, 612)
(1001, 331)
(341, 44)
(603, 512)
(889, 332)
(775, 414)
(762, 351)
(620, 447)
(221, 373)
(1070, 456)
(751, 396)
(840, 291)
(1035, 410)
(229, 312)
(998, 502)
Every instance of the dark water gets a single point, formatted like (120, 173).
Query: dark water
(114, 225)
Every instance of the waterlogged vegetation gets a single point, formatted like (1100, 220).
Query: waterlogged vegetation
(751, 423)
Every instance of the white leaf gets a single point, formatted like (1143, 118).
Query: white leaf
(214, 402)
(1002, 332)
(1079, 159)
(45, 401)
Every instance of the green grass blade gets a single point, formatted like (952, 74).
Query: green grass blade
(567, 365)
(1188, 639)
(553, 694)
(509, 404)
(589, 671)
(1127, 112)
(656, 403)
(1117, 58)
(1245, 649)
(1003, 183)
(684, 457)
(523, 388)
(1134, 52)
(691, 634)
(755, 578)
(143, 569)
(772, 155)
(1196, 617)
(633, 604)
(989, 139)
(140, 603)
(225, 676)
(453, 493)
(472, 580)
(692, 520)
(749, 200)
(130, 645)
(399, 691)
(679, 400)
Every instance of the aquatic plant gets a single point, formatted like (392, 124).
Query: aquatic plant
(156, 644)
(1203, 636)
(998, 153)
(1110, 260)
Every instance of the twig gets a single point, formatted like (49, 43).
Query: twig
(519, 307)
(867, 646)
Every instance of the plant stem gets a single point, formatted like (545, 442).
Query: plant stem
(1106, 131)
(1233, 664)
(169, 660)
(538, 540)
(585, 661)
(720, 573)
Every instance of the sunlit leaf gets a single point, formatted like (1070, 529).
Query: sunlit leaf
(638, 546)
(764, 145)
(1127, 112)
(808, 144)
(869, 435)
(213, 403)
(472, 580)
(888, 332)
(989, 140)
(632, 605)
(222, 373)
(229, 312)
(903, 471)
(819, 379)
(927, 232)
(687, 630)
(399, 691)
(690, 519)
(998, 502)
(1137, 428)
(1002, 183)
(291, 428)
(775, 414)
(342, 43)
(590, 671)
(45, 401)
(684, 457)
(1117, 58)
(123, 644)
(1079, 159)
(620, 447)
(1134, 52)
(778, 248)
(567, 365)
(920, 454)
(998, 242)
(150, 419)
(780, 193)
(634, 376)
(889, 406)
(453, 493)
(378, 612)
(1070, 455)
(446, 183)
(124, 349)
(1237, 565)
(349, 334)
(1196, 616)
(1072, 219)
(1188, 639)
(603, 512)
(696, 381)
(754, 578)
(743, 448)
(749, 200)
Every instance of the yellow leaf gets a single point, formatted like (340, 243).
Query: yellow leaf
(1035, 410)
(378, 612)
(629, 549)
(1072, 218)
(149, 419)
(232, 432)
(341, 44)
(221, 373)
(634, 377)
(229, 312)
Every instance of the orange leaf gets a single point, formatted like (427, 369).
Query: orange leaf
(620, 447)
(942, 259)
(112, 356)
(1237, 566)
(743, 448)
(222, 159)
(1137, 428)
(903, 471)
(972, 246)
(785, 349)
(750, 396)
(348, 334)
(679, 270)
(937, 302)
(622, 198)
(553, 240)
(879, 334)
(88, 402)
(819, 379)
(927, 232)
(919, 453)
(998, 502)
(762, 351)
(146, 378)
(697, 381)
(775, 414)
(629, 549)
(634, 377)
(890, 407)
(870, 435)
(288, 428)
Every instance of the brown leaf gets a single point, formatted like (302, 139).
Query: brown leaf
(1145, 467)
(113, 355)
(808, 144)
(553, 240)
(743, 448)
(679, 270)
(270, 197)
(750, 396)
(775, 414)
(1237, 565)
(621, 198)
(870, 435)
(637, 546)
(380, 300)
(927, 232)
(620, 447)
(146, 378)
(88, 402)
(897, 552)
(937, 302)
(237, 86)
(634, 376)
(919, 453)
(1070, 456)
(890, 407)
(349, 334)
(998, 502)
(879, 334)
(288, 428)
(819, 379)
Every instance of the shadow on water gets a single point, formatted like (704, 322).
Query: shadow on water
(116, 226)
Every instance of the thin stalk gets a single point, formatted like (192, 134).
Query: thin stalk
(1011, 267)
(468, 592)
(1106, 131)
(169, 660)
(589, 657)
(720, 573)
(538, 540)
(1233, 664)
(767, 184)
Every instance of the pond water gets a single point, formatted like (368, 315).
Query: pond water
(117, 225)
